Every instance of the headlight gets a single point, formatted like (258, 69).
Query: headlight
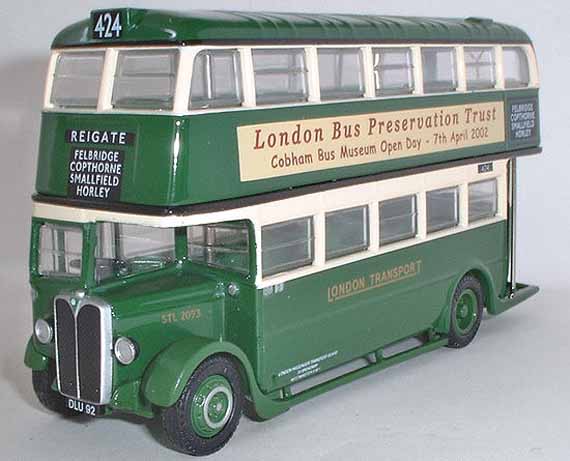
(43, 331)
(125, 350)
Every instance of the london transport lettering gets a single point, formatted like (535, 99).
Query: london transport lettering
(96, 173)
(284, 148)
(374, 280)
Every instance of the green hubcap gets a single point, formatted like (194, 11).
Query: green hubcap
(466, 312)
(211, 406)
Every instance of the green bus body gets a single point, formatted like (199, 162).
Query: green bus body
(285, 333)
(153, 175)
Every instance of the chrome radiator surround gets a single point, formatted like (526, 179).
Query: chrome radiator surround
(83, 344)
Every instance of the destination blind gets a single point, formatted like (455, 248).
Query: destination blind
(95, 174)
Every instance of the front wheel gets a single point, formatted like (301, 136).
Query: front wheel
(209, 409)
(50, 399)
(466, 312)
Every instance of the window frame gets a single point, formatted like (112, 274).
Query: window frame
(405, 237)
(457, 69)
(188, 53)
(238, 77)
(458, 209)
(337, 95)
(493, 64)
(304, 72)
(177, 55)
(287, 268)
(365, 230)
(530, 68)
(484, 217)
(379, 93)
(250, 248)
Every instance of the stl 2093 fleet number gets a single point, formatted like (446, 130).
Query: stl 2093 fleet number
(182, 316)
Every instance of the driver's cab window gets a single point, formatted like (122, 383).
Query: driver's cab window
(124, 249)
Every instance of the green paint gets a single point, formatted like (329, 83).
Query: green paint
(34, 359)
(466, 312)
(270, 334)
(214, 26)
(155, 173)
(211, 406)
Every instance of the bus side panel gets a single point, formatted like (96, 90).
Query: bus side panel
(317, 322)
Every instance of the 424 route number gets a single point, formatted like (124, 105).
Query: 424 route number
(107, 24)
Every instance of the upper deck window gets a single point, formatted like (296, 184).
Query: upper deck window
(77, 79)
(145, 79)
(393, 71)
(440, 69)
(515, 65)
(216, 80)
(480, 67)
(280, 75)
(341, 73)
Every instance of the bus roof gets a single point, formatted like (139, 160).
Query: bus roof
(219, 27)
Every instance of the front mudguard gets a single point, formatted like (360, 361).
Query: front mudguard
(167, 375)
(33, 359)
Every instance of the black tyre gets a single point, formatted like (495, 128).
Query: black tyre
(50, 399)
(209, 409)
(466, 312)
(250, 412)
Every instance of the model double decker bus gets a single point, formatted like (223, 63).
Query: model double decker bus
(236, 212)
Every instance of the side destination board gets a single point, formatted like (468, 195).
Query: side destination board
(278, 149)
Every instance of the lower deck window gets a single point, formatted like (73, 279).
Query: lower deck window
(224, 245)
(398, 219)
(287, 245)
(346, 231)
(482, 200)
(442, 209)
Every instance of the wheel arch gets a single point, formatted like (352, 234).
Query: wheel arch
(483, 275)
(166, 376)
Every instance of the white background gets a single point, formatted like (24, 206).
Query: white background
(506, 397)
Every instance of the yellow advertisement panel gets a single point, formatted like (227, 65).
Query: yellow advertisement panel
(278, 149)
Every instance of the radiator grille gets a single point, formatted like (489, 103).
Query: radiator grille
(83, 350)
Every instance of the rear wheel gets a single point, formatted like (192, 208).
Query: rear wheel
(209, 409)
(50, 399)
(466, 312)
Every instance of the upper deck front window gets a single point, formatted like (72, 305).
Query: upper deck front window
(77, 79)
(145, 79)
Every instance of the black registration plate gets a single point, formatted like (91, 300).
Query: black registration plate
(85, 408)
